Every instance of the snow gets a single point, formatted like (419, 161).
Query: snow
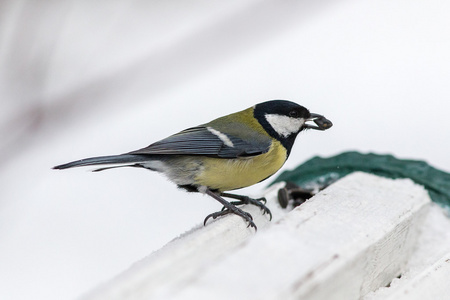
(432, 245)
(80, 79)
(324, 247)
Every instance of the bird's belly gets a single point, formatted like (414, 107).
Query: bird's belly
(229, 174)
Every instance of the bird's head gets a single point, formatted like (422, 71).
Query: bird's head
(283, 120)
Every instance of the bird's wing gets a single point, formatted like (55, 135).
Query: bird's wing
(204, 140)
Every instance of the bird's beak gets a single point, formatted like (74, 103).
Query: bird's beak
(321, 122)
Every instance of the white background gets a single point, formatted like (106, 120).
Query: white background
(88, 78)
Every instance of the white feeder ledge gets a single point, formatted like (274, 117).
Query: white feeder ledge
(347, 241)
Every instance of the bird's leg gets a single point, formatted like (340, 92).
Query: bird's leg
(260, 202)
(229, 208)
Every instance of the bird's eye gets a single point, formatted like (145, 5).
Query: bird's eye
(293, 114)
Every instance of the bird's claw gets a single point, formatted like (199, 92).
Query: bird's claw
(259, 202)
(225, 211)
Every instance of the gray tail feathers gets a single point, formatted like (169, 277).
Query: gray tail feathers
(105, 160)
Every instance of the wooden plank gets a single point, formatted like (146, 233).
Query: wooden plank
(176, 263)
(348, 240)
(432, 283)
(427, 274)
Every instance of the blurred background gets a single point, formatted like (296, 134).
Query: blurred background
(88, 78)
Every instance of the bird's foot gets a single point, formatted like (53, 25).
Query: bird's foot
(234, 210)
(242, 200)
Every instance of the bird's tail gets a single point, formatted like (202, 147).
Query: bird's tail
(106, 160)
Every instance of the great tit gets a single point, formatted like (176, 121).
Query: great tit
(228, 153)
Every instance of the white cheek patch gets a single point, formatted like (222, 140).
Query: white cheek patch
(223, 137)
(284, 125)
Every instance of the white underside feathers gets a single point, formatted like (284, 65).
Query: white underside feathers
(180, 171)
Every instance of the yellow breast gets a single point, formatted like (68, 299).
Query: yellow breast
(230, 174)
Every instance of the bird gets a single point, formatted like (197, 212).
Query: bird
(225, 154)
